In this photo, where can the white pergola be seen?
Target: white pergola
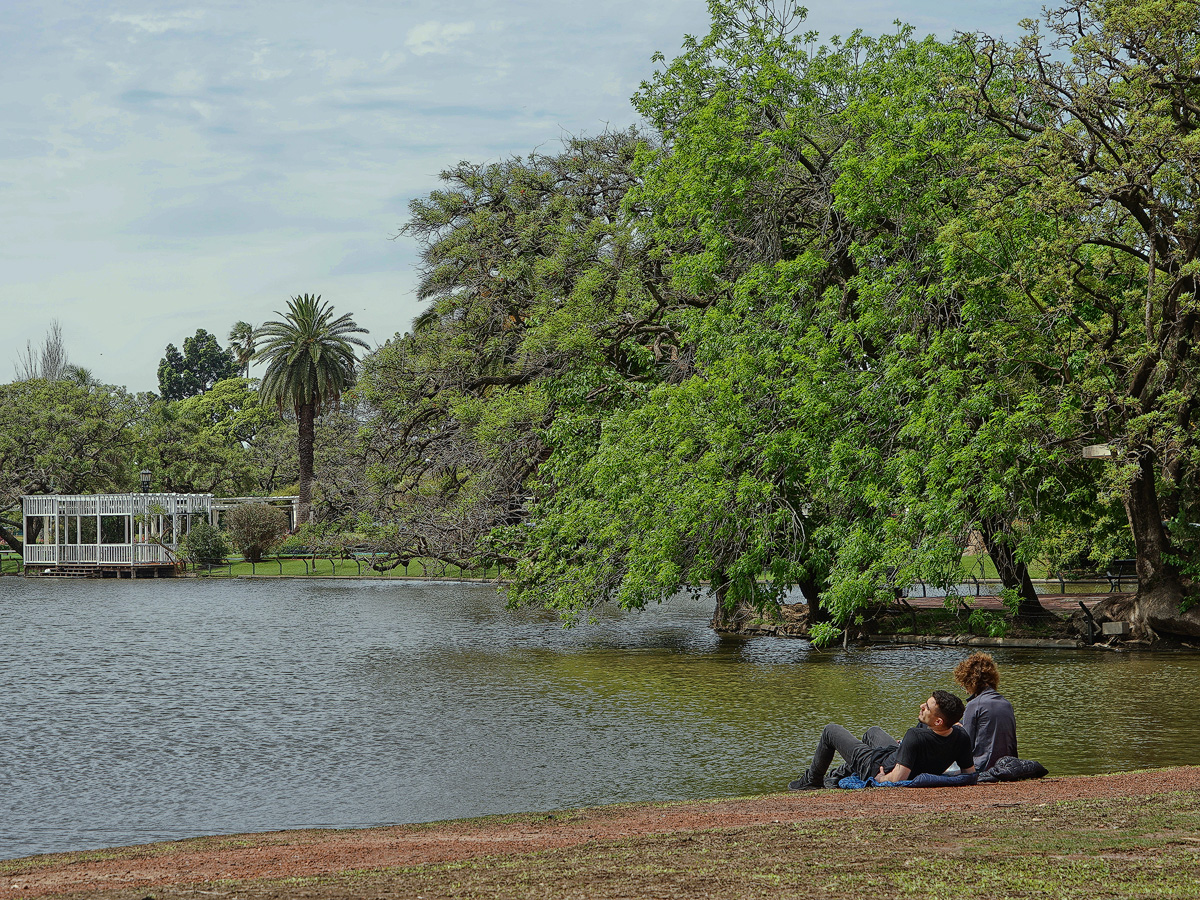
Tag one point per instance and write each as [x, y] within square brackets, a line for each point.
[109, 531]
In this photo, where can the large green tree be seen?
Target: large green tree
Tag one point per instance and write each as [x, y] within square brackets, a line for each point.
[1103, 109]
[202, 364]
[310, 361]
[542, 297]
[798, 201]
[850, 307]
[774, 310]
[211, 443]
[62, 437]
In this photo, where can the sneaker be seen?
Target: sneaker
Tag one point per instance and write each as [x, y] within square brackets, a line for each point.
[805, 783]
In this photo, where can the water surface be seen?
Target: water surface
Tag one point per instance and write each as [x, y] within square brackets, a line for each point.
[147, 710]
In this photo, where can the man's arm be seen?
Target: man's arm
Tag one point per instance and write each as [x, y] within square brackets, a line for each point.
[902, 773]
[898, 773]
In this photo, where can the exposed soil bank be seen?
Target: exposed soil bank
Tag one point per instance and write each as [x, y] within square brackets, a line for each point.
[779, 833]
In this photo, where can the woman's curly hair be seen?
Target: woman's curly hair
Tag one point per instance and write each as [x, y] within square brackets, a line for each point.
[977, 672]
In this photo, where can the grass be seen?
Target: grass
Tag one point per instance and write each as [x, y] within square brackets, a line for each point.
[1144, 847]
[1126, 848]
[11, 564]
[360, 566]
[980, 567]
[977, 566]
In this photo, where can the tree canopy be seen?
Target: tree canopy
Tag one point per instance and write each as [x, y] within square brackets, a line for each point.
[837, 313]
[202, 364]
[212, 443]
[62, 437]
[1101, 166]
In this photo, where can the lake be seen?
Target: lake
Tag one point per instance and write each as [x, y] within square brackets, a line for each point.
[160, 709]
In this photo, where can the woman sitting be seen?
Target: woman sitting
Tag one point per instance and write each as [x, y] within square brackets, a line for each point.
[988, 719]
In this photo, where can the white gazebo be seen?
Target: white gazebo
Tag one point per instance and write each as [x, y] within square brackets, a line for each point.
[113, 535]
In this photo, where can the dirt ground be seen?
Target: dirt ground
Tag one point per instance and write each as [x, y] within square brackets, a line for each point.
[165, 869]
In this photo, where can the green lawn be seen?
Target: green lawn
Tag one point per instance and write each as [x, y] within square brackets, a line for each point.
[977, 566]
[308, 566]
[982, 567]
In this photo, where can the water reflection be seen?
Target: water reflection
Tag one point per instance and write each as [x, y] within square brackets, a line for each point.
[147, 710]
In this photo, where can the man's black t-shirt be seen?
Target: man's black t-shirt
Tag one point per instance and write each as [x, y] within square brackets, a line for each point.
[924, 750]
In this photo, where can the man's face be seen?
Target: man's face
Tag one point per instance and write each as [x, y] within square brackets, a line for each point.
[929, 712]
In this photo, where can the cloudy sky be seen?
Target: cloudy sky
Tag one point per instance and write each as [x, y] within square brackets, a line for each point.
[172, 166]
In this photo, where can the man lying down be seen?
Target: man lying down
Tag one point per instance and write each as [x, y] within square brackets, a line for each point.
[929, 747]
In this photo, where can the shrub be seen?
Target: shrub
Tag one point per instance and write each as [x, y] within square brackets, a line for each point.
[298, 544]
[994, 624]
[255, 528]
[823, 634]
[317, 540]
[205, 544]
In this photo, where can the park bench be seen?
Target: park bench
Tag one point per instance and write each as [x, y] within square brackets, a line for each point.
[1120, 569]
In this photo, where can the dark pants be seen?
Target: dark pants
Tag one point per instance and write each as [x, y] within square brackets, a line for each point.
[877, 748]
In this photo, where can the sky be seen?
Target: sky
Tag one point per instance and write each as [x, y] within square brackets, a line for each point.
[166, 167]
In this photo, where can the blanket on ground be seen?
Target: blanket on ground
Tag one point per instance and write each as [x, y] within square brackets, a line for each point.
[1007, 768]
[925, 779]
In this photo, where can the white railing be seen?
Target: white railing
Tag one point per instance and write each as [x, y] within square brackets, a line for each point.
[116, 504]
[78, 553]
[98, 554]
[164, 515]
[39, 506]
[116, 553]
[153, 553]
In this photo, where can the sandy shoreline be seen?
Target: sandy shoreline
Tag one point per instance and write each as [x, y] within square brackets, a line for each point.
[314, 853]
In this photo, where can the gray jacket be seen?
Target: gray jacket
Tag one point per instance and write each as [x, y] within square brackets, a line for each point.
[992, 726]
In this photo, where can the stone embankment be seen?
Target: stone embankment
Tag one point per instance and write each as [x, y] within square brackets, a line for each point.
[793, 623]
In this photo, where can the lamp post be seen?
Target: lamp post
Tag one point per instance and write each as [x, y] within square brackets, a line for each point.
[145, 477]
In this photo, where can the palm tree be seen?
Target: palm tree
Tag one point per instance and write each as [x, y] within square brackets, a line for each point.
[241, 342]
[310, 362]
[80, 375]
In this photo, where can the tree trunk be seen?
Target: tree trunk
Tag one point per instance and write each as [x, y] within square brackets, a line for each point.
[728, 619]
[12, 540]
[1158, 606]
[733, 619]
[1014, 574]
[812, 591]
[306, 416]
[1150, 539]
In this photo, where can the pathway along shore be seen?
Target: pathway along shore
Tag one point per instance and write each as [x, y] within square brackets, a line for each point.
[679, 849]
